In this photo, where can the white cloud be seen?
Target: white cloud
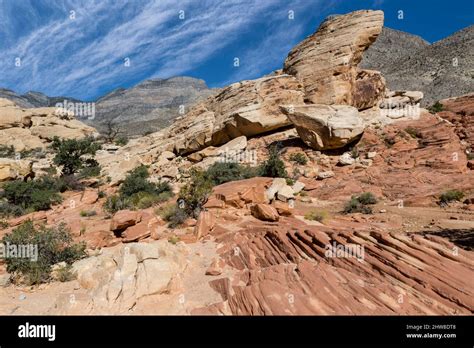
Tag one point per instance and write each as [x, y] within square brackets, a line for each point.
[78, 57]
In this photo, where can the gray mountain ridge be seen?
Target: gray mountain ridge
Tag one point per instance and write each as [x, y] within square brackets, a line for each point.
[441, 70]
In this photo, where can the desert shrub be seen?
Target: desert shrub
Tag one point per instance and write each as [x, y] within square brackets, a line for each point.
[367, 198]
[173, 214]
[73, 154]
[414, 133]
[137, 181]
[173, 239]
[222, 172]
[121, 141]
[195, 193]
[7, 151]
[34, 153]
[8, 210]
[101, 194]
[273, 167]
[143, 200]
[69, 182]
[319, 216]
[389, 141]
[360, 204]
[89, 172]
[115, 203]
[87, 213]
[436, 107]
[299, 158]
[65, 273]
[141, 193]
[54, 245]
[470, 156]
[450, 196]
[32, 195]
[4, 224]
[290, 182]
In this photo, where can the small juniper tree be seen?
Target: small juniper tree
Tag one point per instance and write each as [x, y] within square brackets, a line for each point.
[73, 154]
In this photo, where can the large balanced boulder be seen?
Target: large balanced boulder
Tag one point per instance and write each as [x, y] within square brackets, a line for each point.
[325, 127]
[326, 62]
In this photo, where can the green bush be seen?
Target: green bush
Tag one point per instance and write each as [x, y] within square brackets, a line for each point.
[221, 172]
[115, 203]
[355, 152]
[87, 213]
[360, 204]
[436, 107]
[8, 210]
[450, 196]
[174, 215]
[69, 182]
[299, 158]
[414, 133]
[74, 155]
[32, 195]
[141, 193]
[137, 181]
[273, 167]
[173, 239]
[143, 200]
[195, 193]
[367, 198]
[7, 151]
[89, 172]
[121, 141]
[54, 245]
[319, 216]
[65, 274]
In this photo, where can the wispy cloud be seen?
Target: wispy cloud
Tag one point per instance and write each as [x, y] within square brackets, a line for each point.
[84, 55]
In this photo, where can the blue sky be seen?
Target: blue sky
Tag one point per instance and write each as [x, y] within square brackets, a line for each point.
[84, 53]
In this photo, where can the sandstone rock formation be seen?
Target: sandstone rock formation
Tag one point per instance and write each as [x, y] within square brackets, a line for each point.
[326, 127]
[120, 276]
[27, 129]
[326, 62]
[244, 108]
[460, 112]
[12, 169]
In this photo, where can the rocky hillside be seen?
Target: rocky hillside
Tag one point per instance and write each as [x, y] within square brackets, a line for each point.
[441, 70]
[151, 105]
[365, 207]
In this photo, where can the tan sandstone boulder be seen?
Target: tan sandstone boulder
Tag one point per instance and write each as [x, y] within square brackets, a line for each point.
[11, 169]
[326, 127]
[326, 62]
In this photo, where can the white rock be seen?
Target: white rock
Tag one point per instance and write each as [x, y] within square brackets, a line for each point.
[346, 159]
[326, 174]
[285, 193]
[277, 184]
[365, 162]
[297, 187]
[371, 154]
